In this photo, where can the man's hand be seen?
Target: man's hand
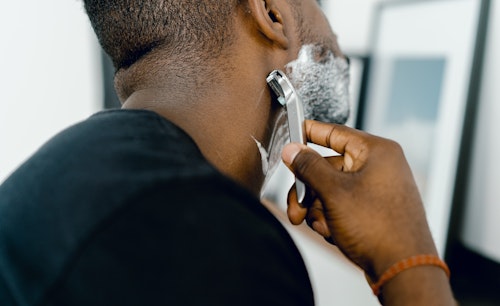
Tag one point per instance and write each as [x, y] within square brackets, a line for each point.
[365, 201]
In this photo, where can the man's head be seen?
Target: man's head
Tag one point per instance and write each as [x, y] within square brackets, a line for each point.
[203, 64]
[131, 29]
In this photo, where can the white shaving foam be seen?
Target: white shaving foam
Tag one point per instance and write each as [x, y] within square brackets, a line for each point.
[263, 155]
[322, 82]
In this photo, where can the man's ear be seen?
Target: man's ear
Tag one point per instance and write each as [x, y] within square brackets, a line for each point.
[270, 21]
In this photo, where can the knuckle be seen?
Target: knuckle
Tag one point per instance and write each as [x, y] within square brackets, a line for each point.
[387, 145]
[361, 150]
[394, 146]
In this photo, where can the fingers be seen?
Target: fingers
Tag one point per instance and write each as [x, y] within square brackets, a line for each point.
[313, 214]
[350, 143]
[310, 167]
[316, 220]
[334, 136]
[296, 212]
[375, 216]
[317, 173]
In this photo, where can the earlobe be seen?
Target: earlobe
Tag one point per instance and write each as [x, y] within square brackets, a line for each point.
[270, 21]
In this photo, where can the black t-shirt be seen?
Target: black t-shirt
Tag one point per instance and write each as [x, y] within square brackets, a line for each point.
[122, 209]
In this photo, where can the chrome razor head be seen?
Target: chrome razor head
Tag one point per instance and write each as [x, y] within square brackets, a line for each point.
[288, 98]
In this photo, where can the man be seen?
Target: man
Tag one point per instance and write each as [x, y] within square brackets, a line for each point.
[156, 204]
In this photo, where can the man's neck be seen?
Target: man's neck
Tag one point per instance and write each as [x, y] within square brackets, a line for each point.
[223, 122]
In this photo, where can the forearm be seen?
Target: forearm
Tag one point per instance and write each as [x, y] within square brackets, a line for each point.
[413, 275]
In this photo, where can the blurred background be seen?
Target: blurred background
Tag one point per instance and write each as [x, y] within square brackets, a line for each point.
[424, 72]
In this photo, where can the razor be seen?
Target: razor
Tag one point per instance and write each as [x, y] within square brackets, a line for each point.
[287, 96]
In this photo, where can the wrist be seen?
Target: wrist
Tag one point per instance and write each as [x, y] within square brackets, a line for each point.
[388, 255]
[421, 285]
[414, 262]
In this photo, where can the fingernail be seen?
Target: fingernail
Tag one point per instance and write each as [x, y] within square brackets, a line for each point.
[289, 153]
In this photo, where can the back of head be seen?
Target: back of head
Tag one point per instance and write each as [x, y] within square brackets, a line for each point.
[130, 29]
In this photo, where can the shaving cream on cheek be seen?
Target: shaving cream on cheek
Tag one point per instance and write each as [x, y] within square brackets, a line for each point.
[322, 82]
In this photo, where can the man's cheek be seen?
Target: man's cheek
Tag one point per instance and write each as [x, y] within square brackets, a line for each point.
[322, 81]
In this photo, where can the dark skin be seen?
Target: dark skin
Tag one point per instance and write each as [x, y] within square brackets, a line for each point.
[266, 39]
[226, 101]
[240, 98]
[367, 203]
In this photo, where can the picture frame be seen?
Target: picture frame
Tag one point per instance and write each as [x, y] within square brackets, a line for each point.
[421, 85]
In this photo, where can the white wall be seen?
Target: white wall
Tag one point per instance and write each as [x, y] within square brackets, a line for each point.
[482, 227]
[49, 76]
[352, 21]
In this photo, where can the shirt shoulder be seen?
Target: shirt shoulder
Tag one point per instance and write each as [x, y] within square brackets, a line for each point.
[75, 181]
[125, 193]
[196, 241]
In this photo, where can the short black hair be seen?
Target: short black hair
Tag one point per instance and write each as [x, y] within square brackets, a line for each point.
[129, 29]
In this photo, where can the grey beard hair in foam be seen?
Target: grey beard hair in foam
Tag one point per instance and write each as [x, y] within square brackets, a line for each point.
[322, 82]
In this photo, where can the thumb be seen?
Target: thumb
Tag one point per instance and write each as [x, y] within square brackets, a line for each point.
[310, 167]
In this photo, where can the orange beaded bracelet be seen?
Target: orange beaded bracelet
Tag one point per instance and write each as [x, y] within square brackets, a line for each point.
[415, 261]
